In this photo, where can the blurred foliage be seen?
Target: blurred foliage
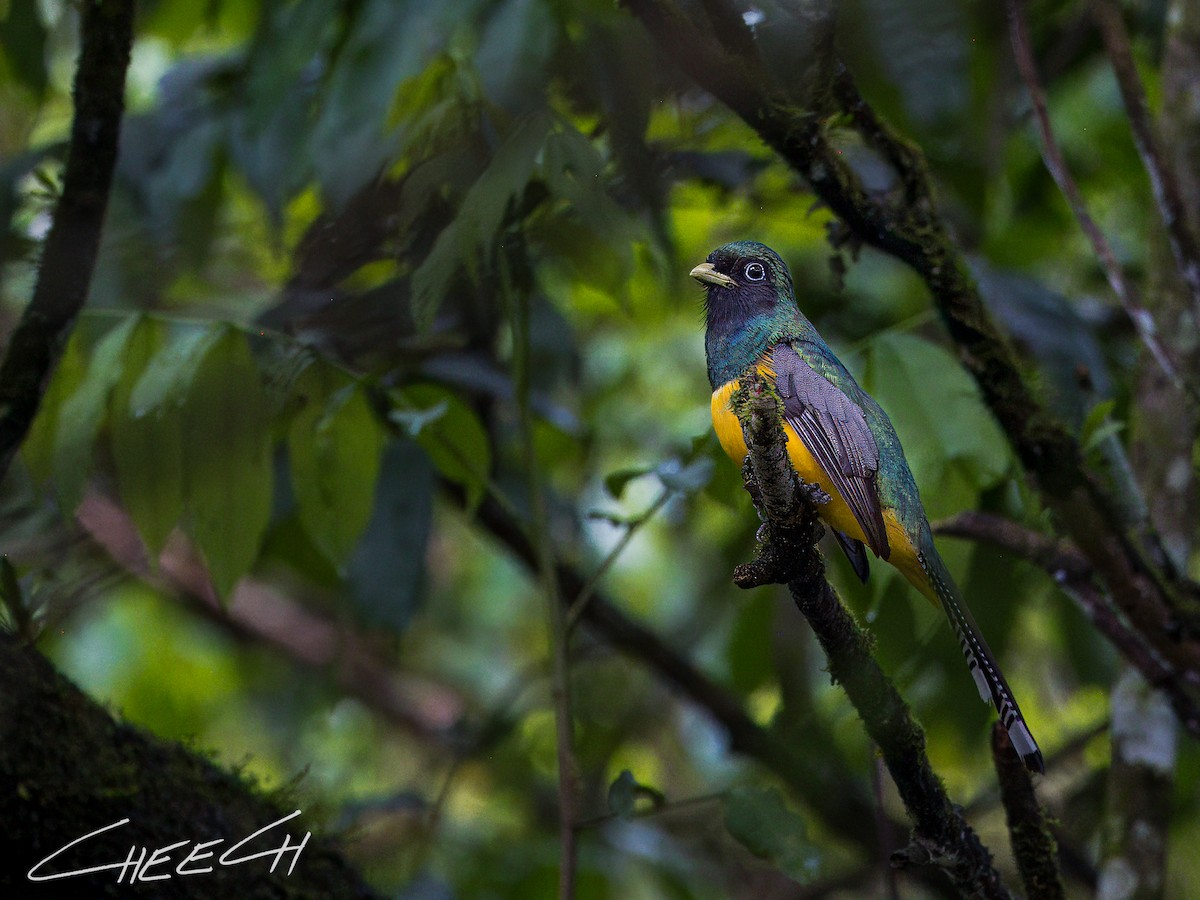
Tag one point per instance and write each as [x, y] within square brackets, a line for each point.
[296, 370]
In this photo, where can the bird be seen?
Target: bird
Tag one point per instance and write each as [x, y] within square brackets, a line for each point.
[838, 438]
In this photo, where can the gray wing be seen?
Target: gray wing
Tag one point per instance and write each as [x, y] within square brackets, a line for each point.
[835, 431]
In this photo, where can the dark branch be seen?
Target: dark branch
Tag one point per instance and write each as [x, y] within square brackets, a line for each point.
[74, 239]
[1032, 843]
[732, 28]
[789, 555]
[1060, 558]
[1076, 576]
[1165, 184]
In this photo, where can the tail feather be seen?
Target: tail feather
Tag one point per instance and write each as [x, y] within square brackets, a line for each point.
[984, 668]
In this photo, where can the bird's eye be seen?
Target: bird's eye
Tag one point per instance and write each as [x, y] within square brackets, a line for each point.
[755, 271]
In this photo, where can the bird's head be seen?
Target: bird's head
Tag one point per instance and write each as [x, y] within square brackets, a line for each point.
[749, 305]
[744, 280]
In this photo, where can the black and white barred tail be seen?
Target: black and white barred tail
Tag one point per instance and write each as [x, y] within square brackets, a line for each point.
[984, 668]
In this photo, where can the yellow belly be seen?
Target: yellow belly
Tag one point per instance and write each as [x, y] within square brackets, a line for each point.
[836, 513]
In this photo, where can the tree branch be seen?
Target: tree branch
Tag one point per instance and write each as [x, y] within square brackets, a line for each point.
[1056, 165]
[71, 246]
[1074, 573]
[1056, 556]
[259, 612]
[1168, 197]
[1032, 843]
[789, 555]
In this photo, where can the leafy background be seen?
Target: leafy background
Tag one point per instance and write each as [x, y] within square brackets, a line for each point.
[362, 256]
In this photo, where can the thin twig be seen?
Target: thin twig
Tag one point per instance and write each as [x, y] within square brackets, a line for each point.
[589, 588]
[660, 809]
[1056, 556]
[1056, 165]
[1163, 181]
[498, 723]
[568, 773]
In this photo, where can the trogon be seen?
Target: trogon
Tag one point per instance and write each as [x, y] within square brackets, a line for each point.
[838, 437]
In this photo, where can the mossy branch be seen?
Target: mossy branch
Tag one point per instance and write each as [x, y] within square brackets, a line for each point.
[1033, 845]
[70, 769]
[788, 555]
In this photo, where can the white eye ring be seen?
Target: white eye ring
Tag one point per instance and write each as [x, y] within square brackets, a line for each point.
[755, 271]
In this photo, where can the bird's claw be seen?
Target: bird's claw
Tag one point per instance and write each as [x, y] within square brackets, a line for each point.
[815, 493]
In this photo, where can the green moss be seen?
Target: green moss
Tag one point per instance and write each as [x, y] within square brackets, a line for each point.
[76, 770]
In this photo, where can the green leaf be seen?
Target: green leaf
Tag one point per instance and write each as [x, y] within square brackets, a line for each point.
[387, 43]
[227, 459]
[761, 822]
[454, 438]
[1108, 429]
[173, 368]
[480, 216]
[38, 447]
[183, 189]
[271, 130]
[147, 448]
[387, 566]
[81, 415]
[574, 171]
[616, 482]
[1099, 426]
[335, 444]
[1095, 418]
[513, 52]
[686, 479]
